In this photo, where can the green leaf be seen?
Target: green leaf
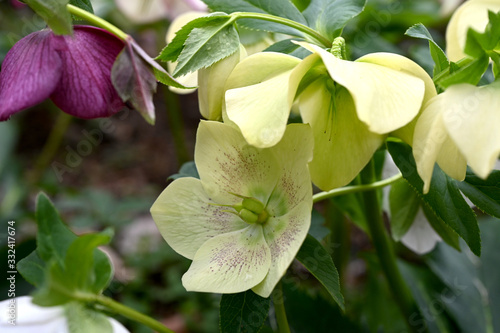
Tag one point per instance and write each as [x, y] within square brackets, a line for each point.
[467, 70]
[319, 262]
[83, 4]
[335, 15]
[477, 44]
[82, 319]
[286, 46]
[472, 286]
[281, 8]
[207, 45]
[55, 289]
[448, 235]
[53, 237]
[188, 169]
[79, 261]
[444, 198]
[485, 194]
[404, 204]
[441, 61]
[243, 312]
[175, 47]
[32, 268]
[54, 12]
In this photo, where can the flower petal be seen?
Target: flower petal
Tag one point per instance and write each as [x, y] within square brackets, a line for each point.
[408, 66]
[85, 89]
[228, 165]
[343, 145]
[140, 11]
[230, 263]
[30, 73]
[293, 153]
[421, 238]
[432, 143]
[211, 82]
[259, 96]
[472, 120]
[472, 14]
[187, 217]
[284, 235]
[385, 99]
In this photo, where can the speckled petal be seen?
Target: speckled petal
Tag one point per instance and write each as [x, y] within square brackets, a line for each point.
[187, 217]
[385, 99]
[284, 235]
[472, 119]
[432, 143]
[343, 145]
[228, 165]
[230, 263]
[259, 96]
[30, 73]
[293, 153]
[85, 89]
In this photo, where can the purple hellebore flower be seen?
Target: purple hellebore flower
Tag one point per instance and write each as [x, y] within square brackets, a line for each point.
[73, 71]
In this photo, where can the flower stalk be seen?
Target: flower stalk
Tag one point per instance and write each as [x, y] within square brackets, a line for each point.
[97, 21]
[385, 251]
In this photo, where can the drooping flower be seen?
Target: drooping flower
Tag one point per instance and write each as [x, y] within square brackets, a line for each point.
[457, 127]
[351, 106]
[244, 220]
[471, 14]
[28, 317]
[73, 71]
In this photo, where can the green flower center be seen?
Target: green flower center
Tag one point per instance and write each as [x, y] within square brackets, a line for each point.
[253, 211]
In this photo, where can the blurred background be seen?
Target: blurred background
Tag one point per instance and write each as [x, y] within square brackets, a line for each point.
[108, 172]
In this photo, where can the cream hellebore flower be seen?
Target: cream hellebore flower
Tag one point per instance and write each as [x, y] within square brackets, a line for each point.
[210, 80]
[244, 221]
[457, 127]
[351, 106]
[471, 14]
[20, 315]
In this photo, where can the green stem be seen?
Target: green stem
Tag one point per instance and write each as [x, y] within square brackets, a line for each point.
[385, 251]
[97, 21]
[130, 313]
[279, 309]
[281, 20]
[51, 146]
[355, 188]
[174, 115]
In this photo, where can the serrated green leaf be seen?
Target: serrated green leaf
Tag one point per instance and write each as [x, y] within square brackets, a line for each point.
[448, 235]
[404, 204]
[53, 237]
[467, 70]
[281, 8]
[207, 45]
[79, 262]
[444, 198]
[32, 268]
[485, 194]
[172, 51]
[82, 319]
[83, 4]
[54, 12]
[336, 14]
[477, 44]
[318, 261]
[243, 312]
[441, 61]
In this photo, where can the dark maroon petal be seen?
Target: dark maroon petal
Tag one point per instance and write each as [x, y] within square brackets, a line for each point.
[85, 89]
[134, 81]
[30, 73]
